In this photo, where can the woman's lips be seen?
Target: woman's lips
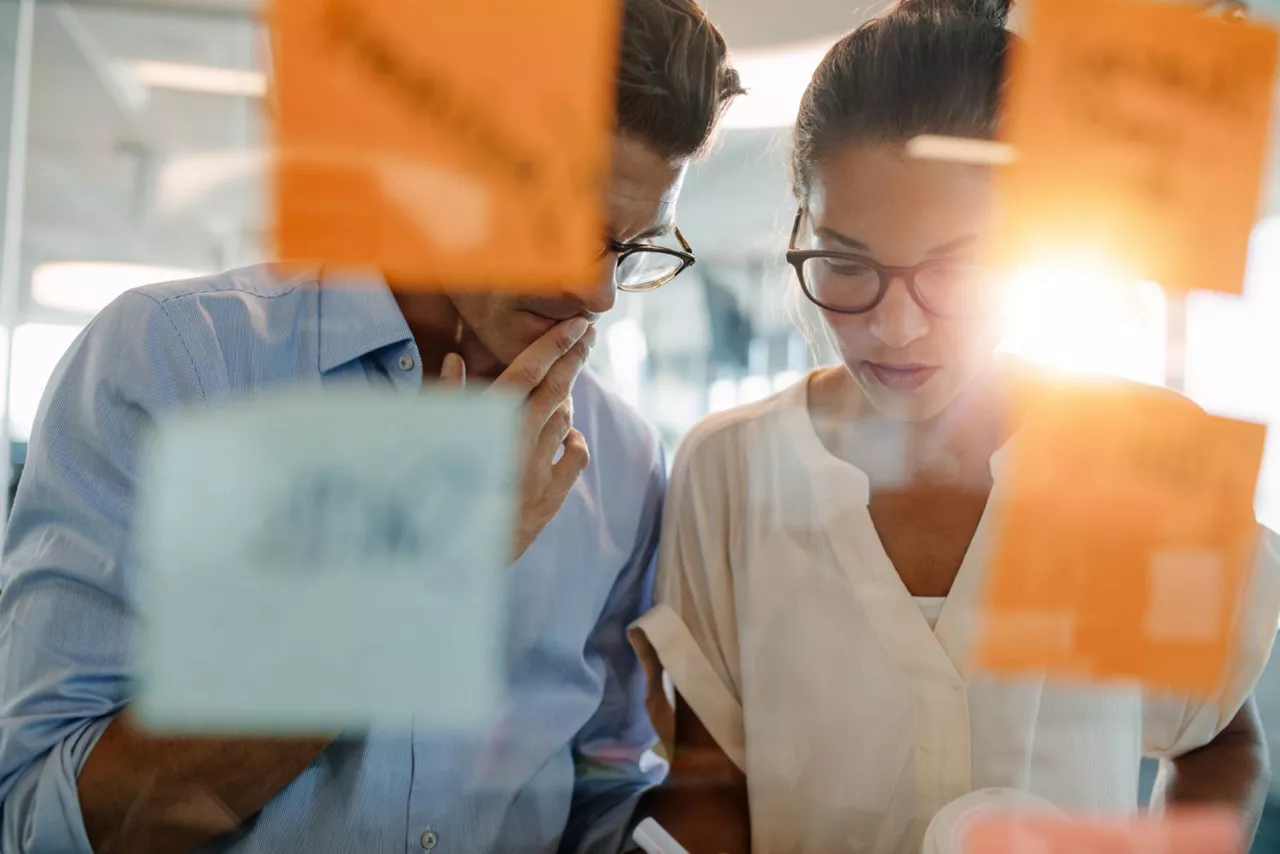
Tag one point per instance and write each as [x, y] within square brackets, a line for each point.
[901, 377]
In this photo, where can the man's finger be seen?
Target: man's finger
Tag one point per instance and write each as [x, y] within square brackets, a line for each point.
[565, 473]
[454, 371]
[557, 385]
[529, 369]
[553, 435]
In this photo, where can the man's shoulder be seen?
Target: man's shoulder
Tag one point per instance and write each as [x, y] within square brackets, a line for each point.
[231, 329]
[612, 425]
[227, 306]
[256, 283]
[216, 305]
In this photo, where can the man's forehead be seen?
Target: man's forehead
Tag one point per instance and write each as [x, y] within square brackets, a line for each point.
[642, 192]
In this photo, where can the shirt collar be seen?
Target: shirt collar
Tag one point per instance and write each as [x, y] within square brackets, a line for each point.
[358, 315]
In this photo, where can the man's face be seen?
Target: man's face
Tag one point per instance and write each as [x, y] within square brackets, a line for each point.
[640, 203]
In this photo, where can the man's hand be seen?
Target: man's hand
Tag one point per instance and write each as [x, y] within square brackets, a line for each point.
[149, 794]
[544, 375]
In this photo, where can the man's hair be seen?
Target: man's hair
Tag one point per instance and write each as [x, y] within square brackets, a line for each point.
[674, 78]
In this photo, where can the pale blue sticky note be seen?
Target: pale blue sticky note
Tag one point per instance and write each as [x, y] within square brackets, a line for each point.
[314, 561]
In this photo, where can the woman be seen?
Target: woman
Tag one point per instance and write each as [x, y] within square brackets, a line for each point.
[823, 549]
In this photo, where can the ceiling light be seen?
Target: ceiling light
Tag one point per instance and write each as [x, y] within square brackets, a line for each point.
[86, 287]
[201, 78]
[188, 180]
[977, 152]
[775, 80]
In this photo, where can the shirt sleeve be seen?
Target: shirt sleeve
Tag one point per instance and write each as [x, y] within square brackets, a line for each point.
[1172, 726]
[613, 759]
[692, 631]
[65, 619]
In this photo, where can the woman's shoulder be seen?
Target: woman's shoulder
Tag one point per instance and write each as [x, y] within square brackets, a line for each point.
[746, 431]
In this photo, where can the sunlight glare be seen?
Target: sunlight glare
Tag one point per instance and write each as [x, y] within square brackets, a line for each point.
[1085, 318]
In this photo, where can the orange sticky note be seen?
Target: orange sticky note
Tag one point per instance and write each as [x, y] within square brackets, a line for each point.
[1125, 539]
[458, 145]
[1206, 831]
[1140, 135]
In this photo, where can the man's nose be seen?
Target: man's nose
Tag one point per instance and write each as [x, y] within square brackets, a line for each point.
[600, 295]
[898, 321]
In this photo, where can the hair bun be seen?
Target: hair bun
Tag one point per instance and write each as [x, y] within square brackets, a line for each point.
[995, 11]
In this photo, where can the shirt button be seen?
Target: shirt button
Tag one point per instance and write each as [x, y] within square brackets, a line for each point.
[406, 362]
[429, 839]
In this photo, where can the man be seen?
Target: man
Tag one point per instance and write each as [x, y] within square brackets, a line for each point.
[563, 766]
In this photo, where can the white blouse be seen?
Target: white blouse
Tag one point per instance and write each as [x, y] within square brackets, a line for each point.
[783, 624]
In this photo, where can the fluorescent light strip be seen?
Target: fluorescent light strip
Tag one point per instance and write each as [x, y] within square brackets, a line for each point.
[188, 180]
[979, 152]
[207, 79]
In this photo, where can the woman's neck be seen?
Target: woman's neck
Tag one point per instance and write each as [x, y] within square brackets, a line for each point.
[953, 448]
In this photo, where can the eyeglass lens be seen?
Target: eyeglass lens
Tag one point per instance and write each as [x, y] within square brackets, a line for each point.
[845, 284]
[643, 268]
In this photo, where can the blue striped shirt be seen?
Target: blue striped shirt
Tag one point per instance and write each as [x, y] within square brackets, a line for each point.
[564, 765]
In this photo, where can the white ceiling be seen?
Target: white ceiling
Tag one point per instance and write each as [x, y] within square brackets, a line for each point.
[96, 150]
[95, 147]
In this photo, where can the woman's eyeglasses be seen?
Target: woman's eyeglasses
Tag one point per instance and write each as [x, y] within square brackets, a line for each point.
[848, 283]
[645, 266]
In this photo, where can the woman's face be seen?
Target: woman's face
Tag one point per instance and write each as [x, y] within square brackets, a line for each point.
[875, 202]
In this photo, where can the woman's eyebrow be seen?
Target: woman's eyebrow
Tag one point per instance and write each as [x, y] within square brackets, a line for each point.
[952, 245]
[963, 242]
[836, 236]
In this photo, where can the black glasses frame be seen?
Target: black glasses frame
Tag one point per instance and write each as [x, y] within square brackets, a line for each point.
[626, 250]
[797, 258]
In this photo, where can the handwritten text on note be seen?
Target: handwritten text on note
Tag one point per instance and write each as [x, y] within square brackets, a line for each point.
[449, 145]
[1126, 539]
[1141, 132]
[318, 560]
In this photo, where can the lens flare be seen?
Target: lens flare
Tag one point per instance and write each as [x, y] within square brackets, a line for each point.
[1085, 318]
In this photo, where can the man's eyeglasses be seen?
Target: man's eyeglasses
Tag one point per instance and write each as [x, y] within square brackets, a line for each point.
[848, 283]
[644, 266]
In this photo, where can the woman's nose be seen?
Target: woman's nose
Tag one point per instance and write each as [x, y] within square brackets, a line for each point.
[898, 321]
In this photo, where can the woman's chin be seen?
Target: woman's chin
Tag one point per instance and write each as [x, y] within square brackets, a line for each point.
[921, 404]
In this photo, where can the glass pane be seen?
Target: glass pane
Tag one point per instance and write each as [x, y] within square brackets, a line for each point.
[8, 57]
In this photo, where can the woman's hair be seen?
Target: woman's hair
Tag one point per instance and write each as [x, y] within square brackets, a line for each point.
[923, 67]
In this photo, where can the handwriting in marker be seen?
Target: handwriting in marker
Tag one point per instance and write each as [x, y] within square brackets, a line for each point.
[347, 27]
[284, 540]
[1141, 133]
[1125, 542]
[332, 519]
[397, 150]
